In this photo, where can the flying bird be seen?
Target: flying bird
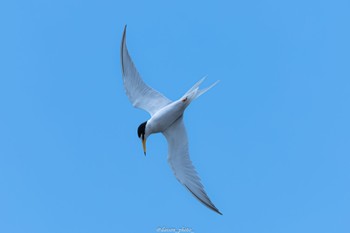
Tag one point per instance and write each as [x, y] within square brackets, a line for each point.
[166, 118]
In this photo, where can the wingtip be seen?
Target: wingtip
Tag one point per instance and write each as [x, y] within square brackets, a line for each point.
[122, 48]
[210, 206]
[216, 210]
[124, 31]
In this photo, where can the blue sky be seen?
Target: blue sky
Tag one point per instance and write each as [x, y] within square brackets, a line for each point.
[270, 141]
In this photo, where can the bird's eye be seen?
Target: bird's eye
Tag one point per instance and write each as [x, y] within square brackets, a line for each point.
[184, 99]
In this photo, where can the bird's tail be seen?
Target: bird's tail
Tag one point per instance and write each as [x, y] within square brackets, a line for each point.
[195, 92]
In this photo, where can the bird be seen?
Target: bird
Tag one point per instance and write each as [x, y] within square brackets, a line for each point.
[166, 118]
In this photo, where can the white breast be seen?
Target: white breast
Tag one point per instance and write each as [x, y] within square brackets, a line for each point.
[165, 117]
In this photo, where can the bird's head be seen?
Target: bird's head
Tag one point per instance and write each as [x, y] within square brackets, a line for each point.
[141, 133]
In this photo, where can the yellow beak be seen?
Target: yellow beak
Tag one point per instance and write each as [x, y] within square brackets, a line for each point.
[144, 146]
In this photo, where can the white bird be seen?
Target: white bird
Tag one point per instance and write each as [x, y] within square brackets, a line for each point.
[166, 118]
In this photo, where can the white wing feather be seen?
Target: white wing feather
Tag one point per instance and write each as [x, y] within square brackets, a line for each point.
[140, 94]
[179, 160]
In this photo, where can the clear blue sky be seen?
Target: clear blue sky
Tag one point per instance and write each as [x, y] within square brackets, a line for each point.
[271, 142]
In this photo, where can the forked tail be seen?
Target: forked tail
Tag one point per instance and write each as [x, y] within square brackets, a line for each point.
[195, 92]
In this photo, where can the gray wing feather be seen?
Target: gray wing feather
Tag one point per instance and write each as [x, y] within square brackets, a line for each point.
[180, 163]
[140, 94]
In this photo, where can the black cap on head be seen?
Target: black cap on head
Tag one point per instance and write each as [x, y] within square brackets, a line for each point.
[141, 130]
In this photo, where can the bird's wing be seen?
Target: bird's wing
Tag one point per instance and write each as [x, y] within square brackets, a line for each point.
[140, 94]
[179, 160]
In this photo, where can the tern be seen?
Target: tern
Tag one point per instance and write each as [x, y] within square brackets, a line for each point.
[166, 118]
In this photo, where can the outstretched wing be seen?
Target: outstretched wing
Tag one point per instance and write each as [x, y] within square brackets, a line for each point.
[179, 160]
[140, 94]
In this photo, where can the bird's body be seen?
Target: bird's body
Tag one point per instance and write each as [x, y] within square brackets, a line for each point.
[166, 118]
